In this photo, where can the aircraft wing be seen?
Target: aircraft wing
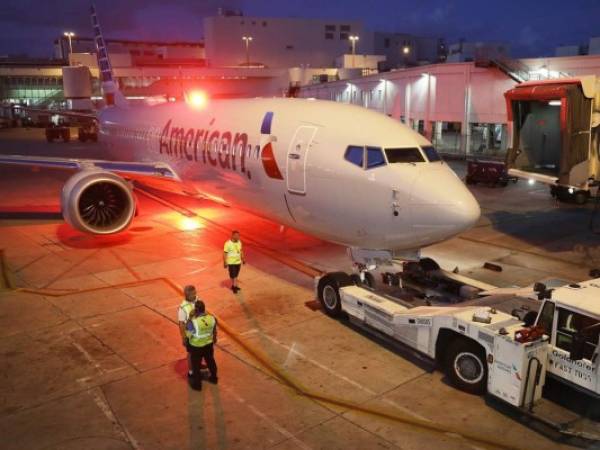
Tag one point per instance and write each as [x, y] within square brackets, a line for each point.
[155, 174]
[59, 112]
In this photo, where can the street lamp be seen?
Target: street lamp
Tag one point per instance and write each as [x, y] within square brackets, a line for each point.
[353, 40]
[247, 40]
[69, 35]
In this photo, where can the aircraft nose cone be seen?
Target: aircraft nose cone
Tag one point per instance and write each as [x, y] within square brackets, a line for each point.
[441, 206]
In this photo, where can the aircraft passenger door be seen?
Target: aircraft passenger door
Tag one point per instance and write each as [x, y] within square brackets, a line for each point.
[296, 158]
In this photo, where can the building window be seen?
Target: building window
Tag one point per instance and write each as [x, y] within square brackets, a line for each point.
[264, 23]
[328, 35]
[386, 42]
[343, 36]
[289, 47]
[344, 27]
[329, 27]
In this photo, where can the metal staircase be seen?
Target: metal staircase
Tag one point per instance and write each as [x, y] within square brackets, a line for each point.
[518, 71]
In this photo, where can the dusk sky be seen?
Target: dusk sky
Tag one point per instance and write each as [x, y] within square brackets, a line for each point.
[531, 28]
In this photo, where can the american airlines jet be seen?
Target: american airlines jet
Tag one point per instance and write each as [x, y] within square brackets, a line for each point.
[339, 172]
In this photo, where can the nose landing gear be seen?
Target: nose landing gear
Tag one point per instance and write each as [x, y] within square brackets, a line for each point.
[363, 277]
[420, 281]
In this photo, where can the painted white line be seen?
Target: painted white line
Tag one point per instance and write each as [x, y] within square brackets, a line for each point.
[354, 383]
[105, 408]
[342, 377]
[266, 418]
[87, 356]
[290, 355]
[250, 331]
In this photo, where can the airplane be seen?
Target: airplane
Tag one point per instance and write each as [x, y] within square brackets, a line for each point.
[339, 172]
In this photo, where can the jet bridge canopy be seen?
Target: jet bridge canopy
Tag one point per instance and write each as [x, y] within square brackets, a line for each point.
[551, 127]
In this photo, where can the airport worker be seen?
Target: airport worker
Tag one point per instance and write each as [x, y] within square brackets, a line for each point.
[233, 258]
[203, 336]
[183, 315]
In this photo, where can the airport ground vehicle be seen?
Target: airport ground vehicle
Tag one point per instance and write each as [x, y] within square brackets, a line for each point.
[54, 132]
[88, 132]
[480, 348]
[488, 172]
[556, 135]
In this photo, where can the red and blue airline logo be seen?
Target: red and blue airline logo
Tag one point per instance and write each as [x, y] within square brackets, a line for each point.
[267, 155]
[225, 149]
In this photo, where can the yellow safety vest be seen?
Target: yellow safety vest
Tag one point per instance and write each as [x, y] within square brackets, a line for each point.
[234, 252]
[187, 307]
[204, 327]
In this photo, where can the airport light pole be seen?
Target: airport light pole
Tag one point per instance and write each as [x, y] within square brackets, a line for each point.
[69, 35]
[247, 40]
[353, 40]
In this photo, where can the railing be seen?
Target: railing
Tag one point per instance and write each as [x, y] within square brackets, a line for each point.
[518, 71]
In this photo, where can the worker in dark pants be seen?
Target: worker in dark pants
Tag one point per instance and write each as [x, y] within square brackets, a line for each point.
[202, 336]
[183, 315]
[233, 258]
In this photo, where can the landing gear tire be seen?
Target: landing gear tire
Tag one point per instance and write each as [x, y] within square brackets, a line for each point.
[329, 292]
[466, 366]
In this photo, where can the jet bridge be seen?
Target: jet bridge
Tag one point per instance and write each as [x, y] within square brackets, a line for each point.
[555, 134]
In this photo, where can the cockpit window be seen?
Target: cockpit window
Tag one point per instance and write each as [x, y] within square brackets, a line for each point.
[374, 157]
[404, 155]
[432, 154]
[354, 154]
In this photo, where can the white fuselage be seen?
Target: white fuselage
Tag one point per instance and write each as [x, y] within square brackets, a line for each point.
[293, 170]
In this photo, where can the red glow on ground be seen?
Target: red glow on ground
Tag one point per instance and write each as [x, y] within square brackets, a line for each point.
[189, 223]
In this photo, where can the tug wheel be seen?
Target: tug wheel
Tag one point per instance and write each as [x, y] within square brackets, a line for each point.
[466, 366]
[329, 292]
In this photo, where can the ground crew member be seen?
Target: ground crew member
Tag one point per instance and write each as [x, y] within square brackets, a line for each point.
[183, 315]
[233, 258]
[202, 336]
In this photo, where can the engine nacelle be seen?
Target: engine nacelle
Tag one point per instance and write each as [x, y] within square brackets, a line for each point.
[97, 202]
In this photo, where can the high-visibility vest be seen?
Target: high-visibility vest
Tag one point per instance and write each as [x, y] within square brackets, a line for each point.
[204, 327]
[187, 307]
[233, 251]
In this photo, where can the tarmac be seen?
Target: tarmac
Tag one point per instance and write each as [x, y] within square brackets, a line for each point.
[91, 353]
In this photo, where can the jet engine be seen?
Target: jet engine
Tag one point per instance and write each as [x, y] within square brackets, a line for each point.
[97, 202]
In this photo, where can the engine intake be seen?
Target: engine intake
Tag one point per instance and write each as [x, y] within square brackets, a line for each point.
[97, 202]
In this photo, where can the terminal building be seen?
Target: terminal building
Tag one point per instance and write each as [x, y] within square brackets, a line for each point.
[280, 42]
[459, 106]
